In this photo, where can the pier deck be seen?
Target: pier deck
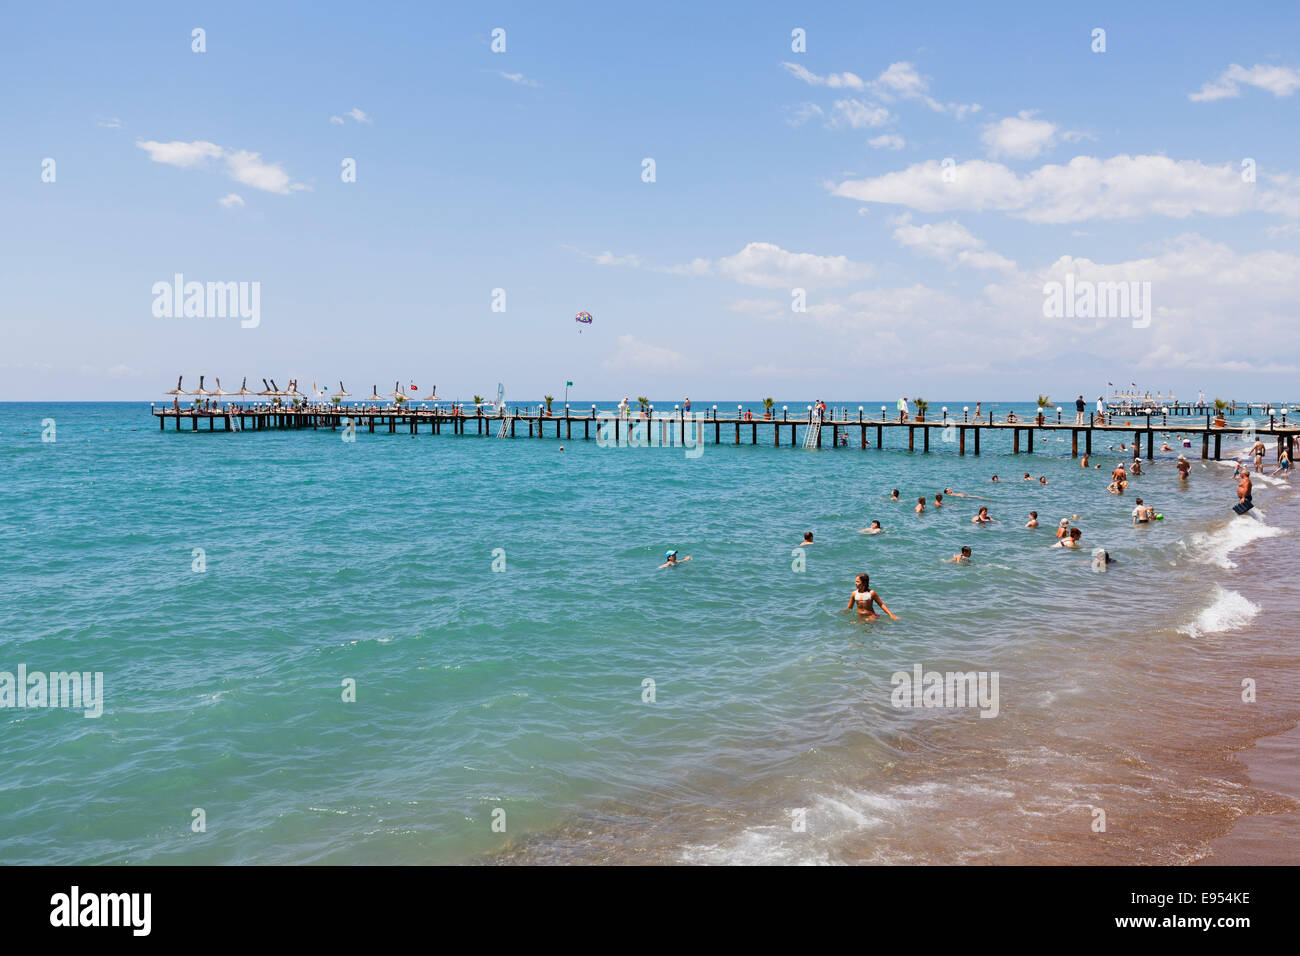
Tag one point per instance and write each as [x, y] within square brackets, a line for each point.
[672, 431]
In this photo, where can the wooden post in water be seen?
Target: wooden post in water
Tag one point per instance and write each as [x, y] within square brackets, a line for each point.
[864, 435]
[880, 437]
[1151, 444]
[961, 440]
[1015, 441]
[911, 438]
[1205, 445]
[925, 438]
[1030, 433]
[1074, 443]
[977, 440]
[1217, 442]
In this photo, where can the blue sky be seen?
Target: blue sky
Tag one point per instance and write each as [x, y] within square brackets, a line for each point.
[774, 170]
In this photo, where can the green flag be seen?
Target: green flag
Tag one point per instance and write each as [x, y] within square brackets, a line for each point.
[568, 385]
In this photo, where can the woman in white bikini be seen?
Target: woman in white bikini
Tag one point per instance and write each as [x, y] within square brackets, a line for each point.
[863, 597]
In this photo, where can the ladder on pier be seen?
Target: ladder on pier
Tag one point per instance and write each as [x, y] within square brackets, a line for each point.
[814, 432]
[234, 422]
[504, 430]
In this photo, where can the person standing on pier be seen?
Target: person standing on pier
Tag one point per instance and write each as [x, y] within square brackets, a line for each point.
[903, 409]
[1101, 410]
[686, 405]
[1080, 406]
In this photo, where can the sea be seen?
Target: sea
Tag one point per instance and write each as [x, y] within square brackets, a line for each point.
[449, 649]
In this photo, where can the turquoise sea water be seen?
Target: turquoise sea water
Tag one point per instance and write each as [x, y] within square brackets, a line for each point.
[522, 690]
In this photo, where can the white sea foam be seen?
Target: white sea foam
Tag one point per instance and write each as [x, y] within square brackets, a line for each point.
[1213, 547]
[1227, 612]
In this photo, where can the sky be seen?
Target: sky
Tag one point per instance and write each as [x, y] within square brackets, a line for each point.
[913, 176]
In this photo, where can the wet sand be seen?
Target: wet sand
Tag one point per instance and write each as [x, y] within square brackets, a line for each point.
[1273, 764]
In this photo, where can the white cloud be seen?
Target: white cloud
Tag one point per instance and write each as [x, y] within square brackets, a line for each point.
[113, 123]
[949, 242]
[803, 113]
[1194, 283]
[1086, 188]
[887, 141]
[1278, 80]
[248, 168]
[231, 200]
[833, 80]
[609, 259]
[1284, 231]
[336, 120]
[767, 265]
[518, 78]
[696, 267]
[898, 81]
[1019, 137]
[358, 115]
[181, 154]
[902, 81]
[241, 165]
[858, 114]
[633, 354]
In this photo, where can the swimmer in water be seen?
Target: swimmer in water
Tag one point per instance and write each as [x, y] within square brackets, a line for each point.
[1142, 514]
[1027, 478]
[960, 494]
[920, 506]
[963, 558]
[874, 529]
[1184, 467]
[672, 560]
[983, 516]
[1283, 463]
[1164, 446]
[1033, 520]
[1072, 542]
[894, 496]
[1136, 467]
[807, 539]
[995, 477]
[1063, 528]
[1042, 479]
[863, 598]
[1084, 463]
[938, 500]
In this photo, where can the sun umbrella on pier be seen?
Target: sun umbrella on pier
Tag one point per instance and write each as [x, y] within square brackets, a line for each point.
[220, 392]
[177, 391]
[397, 394]
[201, 392]
[244, 389]
[341, 393]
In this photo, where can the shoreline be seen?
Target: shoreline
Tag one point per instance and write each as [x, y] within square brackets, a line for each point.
[1272, 764]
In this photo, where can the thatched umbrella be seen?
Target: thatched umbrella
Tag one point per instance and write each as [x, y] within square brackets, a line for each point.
[375, 396]
[201, 392]
[341, 393]
[219, 390]
[244, 389]
[177, 391]
[397, 394]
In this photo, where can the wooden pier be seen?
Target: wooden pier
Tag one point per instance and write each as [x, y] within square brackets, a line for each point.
[858, 432]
